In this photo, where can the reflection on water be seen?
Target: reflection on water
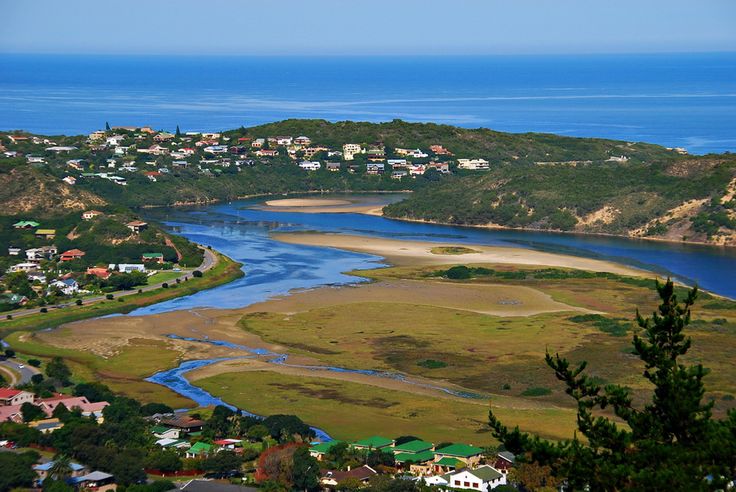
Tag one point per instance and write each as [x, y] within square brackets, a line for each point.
[274, 268]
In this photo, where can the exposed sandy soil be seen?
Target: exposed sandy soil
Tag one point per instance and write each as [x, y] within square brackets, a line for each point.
[321, 206]
[399, 252]
[306, 202]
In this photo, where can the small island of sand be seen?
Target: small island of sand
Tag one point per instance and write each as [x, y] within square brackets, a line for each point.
[306, 202]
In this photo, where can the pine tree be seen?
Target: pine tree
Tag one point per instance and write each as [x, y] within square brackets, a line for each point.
[107, 126]
[178, 132]
[671, 443]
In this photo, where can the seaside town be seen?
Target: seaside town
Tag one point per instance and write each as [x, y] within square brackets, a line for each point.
[122, 154]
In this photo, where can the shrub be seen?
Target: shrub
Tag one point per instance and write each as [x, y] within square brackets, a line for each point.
[536, 391]
[78, 302]
[44, 310]
[196, 274]
[165, 285]
[9, 316]
[432, 364]
[459, 272]
[34, 362]
[109, 297]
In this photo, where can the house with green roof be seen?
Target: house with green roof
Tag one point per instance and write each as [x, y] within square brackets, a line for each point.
[460, 451]
[26, 224]
[415, 446]
[199, 450]
[318, 450]
[481, 479]
[163, 432]
[374, 442]
[153, 257]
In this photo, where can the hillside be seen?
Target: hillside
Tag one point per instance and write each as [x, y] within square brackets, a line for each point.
[685, 199]
[536, 181]
[26, 190]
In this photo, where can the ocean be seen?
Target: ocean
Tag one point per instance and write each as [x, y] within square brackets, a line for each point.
[676, 100]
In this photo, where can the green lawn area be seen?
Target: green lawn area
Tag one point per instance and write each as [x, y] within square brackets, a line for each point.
[124, 372]
[165, 276]
[352, 411]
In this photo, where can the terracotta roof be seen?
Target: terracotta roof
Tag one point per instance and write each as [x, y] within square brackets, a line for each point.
[8, 392]
[361, 473]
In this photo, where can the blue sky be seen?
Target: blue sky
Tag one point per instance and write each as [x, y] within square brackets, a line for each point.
[315, 27]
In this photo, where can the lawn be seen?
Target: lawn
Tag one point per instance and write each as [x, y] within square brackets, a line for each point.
[124, 371]
[348, 410]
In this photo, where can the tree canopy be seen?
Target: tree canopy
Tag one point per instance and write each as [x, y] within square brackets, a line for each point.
[672, 441]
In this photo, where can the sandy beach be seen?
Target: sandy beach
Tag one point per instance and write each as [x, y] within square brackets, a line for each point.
[322, 206]
[400, 252]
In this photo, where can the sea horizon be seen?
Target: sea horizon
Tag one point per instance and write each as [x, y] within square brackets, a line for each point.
[672, 99]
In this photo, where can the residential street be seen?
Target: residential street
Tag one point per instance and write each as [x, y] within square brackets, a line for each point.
[25, 372]
[210, 260]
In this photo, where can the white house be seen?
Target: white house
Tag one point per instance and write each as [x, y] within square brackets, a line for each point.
[127, 267]
[482, 479]
[310, 165]
[473, 164]
[349, 150]
[70, 180]
[67, 286]
[23, 267]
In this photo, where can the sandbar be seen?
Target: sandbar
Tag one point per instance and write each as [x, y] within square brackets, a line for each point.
[409, 253]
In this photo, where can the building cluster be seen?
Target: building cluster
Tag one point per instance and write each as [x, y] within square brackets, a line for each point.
[46, 267]
[124, 152]
[456, 466]
[13, 400]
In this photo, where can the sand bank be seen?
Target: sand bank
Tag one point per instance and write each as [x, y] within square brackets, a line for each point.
[400, 252]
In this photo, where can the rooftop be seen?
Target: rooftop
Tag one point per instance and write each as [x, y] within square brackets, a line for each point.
[461, 450]
[374, 442]
[422, 457]
[414, 446]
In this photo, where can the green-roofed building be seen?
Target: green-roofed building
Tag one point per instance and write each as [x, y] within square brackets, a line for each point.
[459, 451]
[449, 463]
[26, 224]
[199, 449]
[415, 446]
[374, 442]
[320, 449]
[421, 457]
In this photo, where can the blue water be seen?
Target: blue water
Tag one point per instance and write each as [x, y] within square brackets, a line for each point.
[685, 100]
[274, 268]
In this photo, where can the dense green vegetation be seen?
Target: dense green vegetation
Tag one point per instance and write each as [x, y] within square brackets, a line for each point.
[673, 439]
[535, 181]
[560, 197]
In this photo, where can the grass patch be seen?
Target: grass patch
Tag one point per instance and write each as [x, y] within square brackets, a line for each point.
[536, 391]
[614, 327]
[452, 250]
[348, 410]
[432, 364]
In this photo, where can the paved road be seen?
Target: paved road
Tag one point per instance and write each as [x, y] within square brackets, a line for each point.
[209, 261]
[25, 372]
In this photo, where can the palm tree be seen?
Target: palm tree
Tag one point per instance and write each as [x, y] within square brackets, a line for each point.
[62, 468]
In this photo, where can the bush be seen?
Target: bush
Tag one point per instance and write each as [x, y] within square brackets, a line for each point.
[78, 302]
[44, 310]
[196, 274]
[9, 316]
[165, 285]
[34, 362]
[459, 272]
[432, 364]
[536, 391]
[109, 297]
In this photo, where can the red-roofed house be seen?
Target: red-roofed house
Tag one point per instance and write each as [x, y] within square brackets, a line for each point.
[99, 272]
[72, 254]
[11, 413]
[10, 397]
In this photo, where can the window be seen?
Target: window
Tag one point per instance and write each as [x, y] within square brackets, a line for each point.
[475, 485]
[457, 482]
[467, 484]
